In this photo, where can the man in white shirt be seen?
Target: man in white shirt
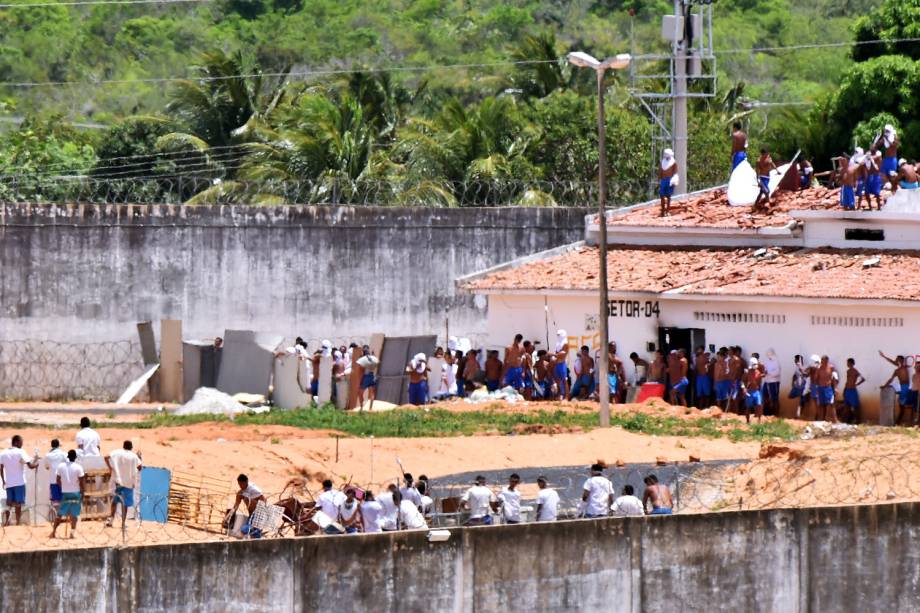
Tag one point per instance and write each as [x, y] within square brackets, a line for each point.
[478, 499]
[12, 470]
[88, 440]
[424, 489]
[70, 478]
[547, 501]
[627, 504]
[252, 495]
[330, 500]
[371, 513]
[409, 516]
[410, 492]
[349, 514]
[125, 466]
[387, 500]
[597, 493]
[510, 498]
[773, 374]
[50, 462]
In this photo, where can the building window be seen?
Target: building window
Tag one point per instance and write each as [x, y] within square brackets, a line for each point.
[857, 322]
[739, 318]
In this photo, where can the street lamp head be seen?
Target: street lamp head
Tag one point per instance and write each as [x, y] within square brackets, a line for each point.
[617, 62]
[583, 60]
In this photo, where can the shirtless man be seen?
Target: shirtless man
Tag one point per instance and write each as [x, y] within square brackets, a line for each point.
[764, 166]
[907, 176]
[850, 393]
[513, 366]
[751, 387]
[666, 172]
[902, 374]
[314, 377]
[584, 374]
[616, 374]
[658, 369]
[527, 367]
[873, 172]
[560, 369]
[735, 372]
[418, 379]
[862, 174]
[846, 176]
[679, 379]
[888, 142]
[641, 367]
[659, 495]
[739, 145]
[471, 368]
[541, 377]
[721, 379]
[493, 371]
[826, 380]
[702, 366]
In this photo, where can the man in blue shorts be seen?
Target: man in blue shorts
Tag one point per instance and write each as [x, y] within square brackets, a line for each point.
[560, 373]
[513, 363]
[888, 142]
[751, 386]
[702, 366]
[826, 379]
[369, 363]
[739, 145]
[873, 178]
[846, 176]
[850, 393]
[12, 470]
[681, 383]
[50, 463]
[71, 478]
[667, 174]
[721, 375]
[584, 374]
[125, 466]
[764, 166]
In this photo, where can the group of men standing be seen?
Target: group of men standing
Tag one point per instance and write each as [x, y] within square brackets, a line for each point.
[68, 477]
[863, 174]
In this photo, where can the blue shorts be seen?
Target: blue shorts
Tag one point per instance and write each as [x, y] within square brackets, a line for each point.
[903, 395]
[737, 158]
[874, 185]
[754, 399]
[910, 185]
[724, 389]
[493, 385]
[16, 494]
[703, 385]
[665, 189]
[515, 377]
[70, 505]
[583, 381]
[764, 184]
[612, 382]
[805, 180]
[461, 387]
[847, 197]
[314, 388]
[681, 386]
[368, 380]
[851, 397]
[890, 166]
[124, 495]
[418, 393]
[661, 511]
[860, 187]
[561, 371]
[824, 394]
[55, 492]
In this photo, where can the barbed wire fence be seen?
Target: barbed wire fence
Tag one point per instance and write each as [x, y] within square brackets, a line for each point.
[216, 190]
[788, 480]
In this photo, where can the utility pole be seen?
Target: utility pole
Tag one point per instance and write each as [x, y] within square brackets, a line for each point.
[683, 21]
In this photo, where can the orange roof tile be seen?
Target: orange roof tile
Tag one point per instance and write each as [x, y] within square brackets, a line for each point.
[711, 209]
[806, 273]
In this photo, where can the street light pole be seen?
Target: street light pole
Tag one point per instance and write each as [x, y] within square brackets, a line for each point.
[584, 60]
[603, 388]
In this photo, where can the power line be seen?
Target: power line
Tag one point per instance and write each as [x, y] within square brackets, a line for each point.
[95, 2]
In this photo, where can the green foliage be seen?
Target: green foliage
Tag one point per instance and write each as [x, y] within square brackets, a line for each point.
[893, 20]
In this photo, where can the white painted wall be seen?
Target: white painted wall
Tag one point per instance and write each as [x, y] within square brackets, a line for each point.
[847, 330]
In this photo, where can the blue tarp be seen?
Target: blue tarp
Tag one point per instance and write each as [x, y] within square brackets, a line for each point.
[154, 494]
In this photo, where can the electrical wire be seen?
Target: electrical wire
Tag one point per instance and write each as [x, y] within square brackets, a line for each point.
[95, 2]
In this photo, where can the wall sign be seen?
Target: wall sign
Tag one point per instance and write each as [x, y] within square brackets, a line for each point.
[633, 308]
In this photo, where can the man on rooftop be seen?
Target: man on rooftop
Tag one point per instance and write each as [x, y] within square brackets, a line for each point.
[667, 179]
[739, 145]
[764, 166]
[907, 176]
[888, 142]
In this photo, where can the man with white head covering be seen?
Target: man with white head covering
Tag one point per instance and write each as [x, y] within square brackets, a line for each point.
[873, 175]
[560, 369]
[772, 376]
[888, 142]
[418, 379]
[750, 386]
[327, 348]
[858, 160]
[667, 179]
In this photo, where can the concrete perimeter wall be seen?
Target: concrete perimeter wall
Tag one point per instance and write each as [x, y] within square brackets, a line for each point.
[85, 273]
[807, 560]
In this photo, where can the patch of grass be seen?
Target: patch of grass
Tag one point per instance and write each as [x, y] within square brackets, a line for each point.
[411, 423]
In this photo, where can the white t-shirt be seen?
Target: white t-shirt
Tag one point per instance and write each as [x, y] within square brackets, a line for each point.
[53, 459]
[627, 505]
[427, 505]
[390, 512]
[329, 502]
[409, 516]
[511, 504]
[599, 491]
[14, 460]
[411, 494]
[347, 512]
[478, 498]
[774, 372]
[70, 473]
[548, 502]
[125, 467]
[251, 492]
[369, 363]
[88, 441]
[372, 513]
